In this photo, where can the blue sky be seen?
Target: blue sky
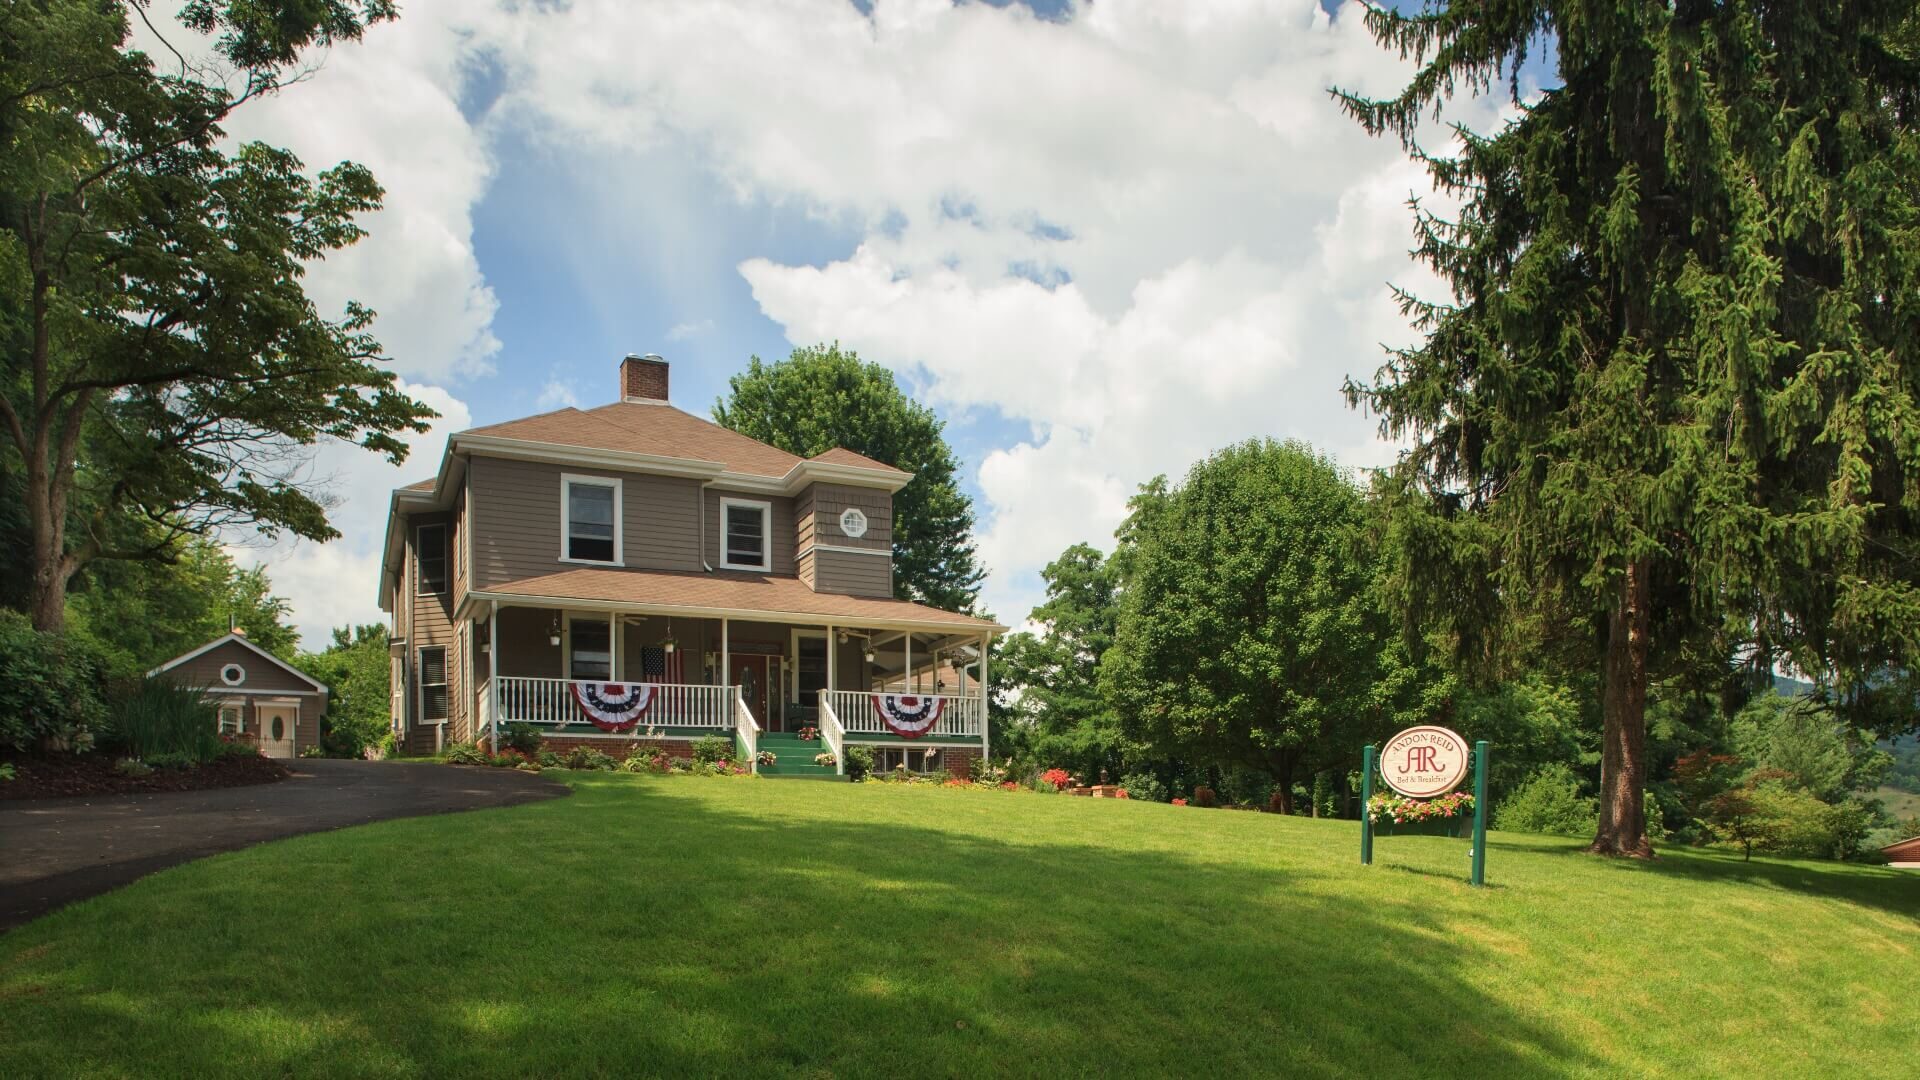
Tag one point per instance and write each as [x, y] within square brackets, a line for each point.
[1101, 241]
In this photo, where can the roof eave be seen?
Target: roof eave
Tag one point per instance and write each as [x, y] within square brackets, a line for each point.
[749, 614]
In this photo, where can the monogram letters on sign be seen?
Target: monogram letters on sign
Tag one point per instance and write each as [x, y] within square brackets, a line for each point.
[1422, 762]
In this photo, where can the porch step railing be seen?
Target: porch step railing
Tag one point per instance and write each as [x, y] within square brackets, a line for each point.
[746, 729]
[959, 716]
[551, 701]
[834, 734]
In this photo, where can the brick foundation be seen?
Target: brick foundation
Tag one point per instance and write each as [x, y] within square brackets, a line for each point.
[958, 761]
[617, 748]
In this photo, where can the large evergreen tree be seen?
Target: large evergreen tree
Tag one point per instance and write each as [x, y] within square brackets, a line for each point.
[823, 396]
[164, 369]
[1673, 392]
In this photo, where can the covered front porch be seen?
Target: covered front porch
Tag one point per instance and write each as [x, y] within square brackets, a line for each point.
[895, 688]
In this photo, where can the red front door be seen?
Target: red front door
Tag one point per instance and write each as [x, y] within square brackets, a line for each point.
[750, 675]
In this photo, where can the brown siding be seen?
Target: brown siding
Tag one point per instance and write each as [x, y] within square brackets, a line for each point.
[204, 670]
[306, 721]
[517, 526]
[524, 652]
[853, 574]
[781, 528]
[828, 500]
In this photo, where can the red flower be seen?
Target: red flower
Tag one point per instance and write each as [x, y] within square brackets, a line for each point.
[1179, 802]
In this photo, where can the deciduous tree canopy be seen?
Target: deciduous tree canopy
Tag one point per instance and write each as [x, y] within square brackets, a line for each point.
[164, 368]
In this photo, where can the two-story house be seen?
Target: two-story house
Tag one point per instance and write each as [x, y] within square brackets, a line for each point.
[634, 570]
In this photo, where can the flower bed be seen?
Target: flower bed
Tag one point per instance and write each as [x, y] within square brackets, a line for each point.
[59, 775]
[1446, 815]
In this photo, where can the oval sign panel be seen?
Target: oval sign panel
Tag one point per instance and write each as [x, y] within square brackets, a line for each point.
[1422, 762]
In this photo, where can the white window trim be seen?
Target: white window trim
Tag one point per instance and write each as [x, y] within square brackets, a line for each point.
[567, 480]
[421, 684]
[446, 561]
[239, 712]
[765, 565]
[224, 668]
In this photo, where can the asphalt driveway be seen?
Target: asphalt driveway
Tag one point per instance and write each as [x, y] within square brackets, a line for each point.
[56, 851]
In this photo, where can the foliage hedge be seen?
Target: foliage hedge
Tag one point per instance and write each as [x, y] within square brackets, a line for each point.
[50, 687]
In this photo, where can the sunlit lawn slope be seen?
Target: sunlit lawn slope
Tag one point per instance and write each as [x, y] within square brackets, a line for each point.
[682, 925]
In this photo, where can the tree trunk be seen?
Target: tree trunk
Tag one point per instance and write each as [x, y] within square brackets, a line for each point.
[1284, 767]
[47, 598]
[1623, 759]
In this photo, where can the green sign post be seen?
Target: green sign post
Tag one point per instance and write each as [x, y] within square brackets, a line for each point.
[1427, 762]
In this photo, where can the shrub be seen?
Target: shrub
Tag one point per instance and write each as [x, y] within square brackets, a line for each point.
[336, 741]
[127, 766]
[465, 754]
[1549, 802]
[548, 759]
[710, 749]
[522, 737]
[1058, 779]
[6, 771]
[859, 761]
[315, 751]
[653, 759]
[232, 748]
[49, 686]
[1143, 786]
[160, 716]
[1205, 796]
[171, 759]
[589, 759]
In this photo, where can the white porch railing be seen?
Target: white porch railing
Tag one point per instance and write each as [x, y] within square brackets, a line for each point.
[746, 729]
[959, 716]
[834, 734]
[550, 701]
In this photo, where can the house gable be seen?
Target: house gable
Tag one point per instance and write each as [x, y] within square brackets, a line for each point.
[234, 665]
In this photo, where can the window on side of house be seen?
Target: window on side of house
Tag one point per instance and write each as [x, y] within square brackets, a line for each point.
[230, 719]
[430, 559]
[591, 507]
[744, 530]
[433, 684]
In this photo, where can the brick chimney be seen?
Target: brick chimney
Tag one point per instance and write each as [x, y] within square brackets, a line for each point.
[643, 378]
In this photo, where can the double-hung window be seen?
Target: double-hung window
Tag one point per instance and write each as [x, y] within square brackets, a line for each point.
[430, 559]
[230, 720]
[590, 510]
[746, 528]
[590, 644]
[433, 684]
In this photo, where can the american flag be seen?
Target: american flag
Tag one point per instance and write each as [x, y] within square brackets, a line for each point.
[657, 665]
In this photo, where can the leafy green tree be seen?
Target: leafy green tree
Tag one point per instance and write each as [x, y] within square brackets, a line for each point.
[357, 670]
[164, 368]
[140, 614]
[1670, 396]
[1802, 739]
[1548, 802]
[1251, 632]
[821, 397]
[1067, 722]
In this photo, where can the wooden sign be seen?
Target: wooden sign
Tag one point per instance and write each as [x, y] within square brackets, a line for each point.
[1422, 762]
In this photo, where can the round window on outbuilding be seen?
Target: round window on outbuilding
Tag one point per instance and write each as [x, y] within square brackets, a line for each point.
[233, 674]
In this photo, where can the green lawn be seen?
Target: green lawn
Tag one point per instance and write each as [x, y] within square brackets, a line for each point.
[684, 925]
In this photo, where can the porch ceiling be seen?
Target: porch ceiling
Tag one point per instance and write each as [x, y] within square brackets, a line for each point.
[728, 595]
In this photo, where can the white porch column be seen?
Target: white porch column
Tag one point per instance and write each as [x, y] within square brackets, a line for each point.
[493, 673]
[833, 657]
[986, 642]
[726, 651]
[906, 669]
[613, 646]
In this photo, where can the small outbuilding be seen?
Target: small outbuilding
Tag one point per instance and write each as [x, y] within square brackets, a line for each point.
[260, 697]
[1904, 855]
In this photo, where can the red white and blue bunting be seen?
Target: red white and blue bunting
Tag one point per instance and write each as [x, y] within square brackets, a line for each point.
[615, 707]
[908, 715]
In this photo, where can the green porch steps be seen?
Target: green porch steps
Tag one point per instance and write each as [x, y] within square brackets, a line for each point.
[794, 757]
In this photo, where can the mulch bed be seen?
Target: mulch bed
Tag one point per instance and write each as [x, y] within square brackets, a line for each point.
[60, 775]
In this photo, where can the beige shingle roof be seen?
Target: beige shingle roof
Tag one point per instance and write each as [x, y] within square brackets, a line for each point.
[772, 594]
[841, 456]
[660, 430]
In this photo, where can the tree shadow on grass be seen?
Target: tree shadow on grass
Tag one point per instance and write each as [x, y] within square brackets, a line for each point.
[628, 931]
